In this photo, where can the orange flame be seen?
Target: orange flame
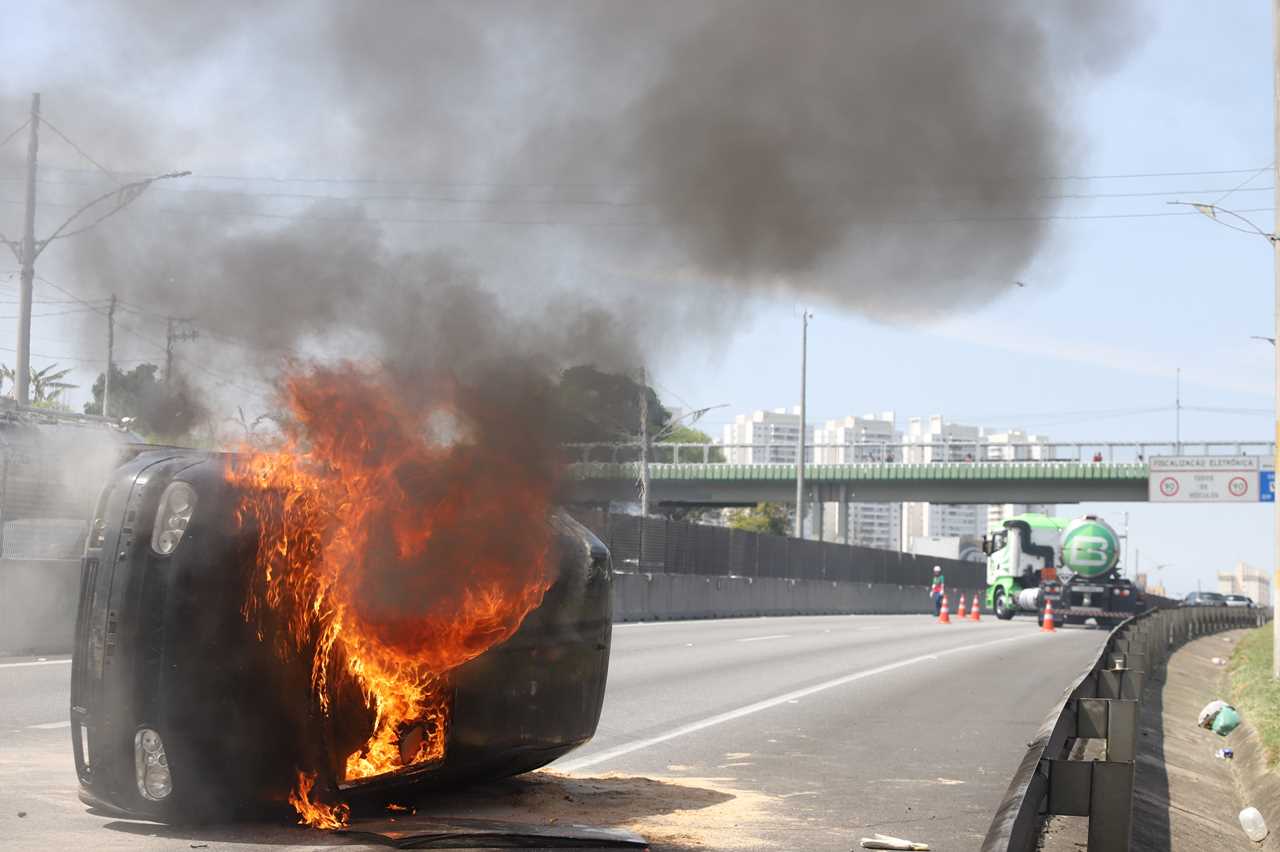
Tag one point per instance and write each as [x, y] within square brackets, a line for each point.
[390, 555]
[316, 814]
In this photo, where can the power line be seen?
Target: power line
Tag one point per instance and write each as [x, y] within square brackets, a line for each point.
[411, 181]
[15, 132]
[394, 220]
[76, 357]
[1240, 186]
[53, 314]
[79, 150]
[626, 203]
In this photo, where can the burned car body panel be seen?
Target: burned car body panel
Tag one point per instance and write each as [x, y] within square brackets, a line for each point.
[161, 644]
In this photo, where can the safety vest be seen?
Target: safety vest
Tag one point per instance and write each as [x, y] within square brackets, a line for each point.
[936, 588]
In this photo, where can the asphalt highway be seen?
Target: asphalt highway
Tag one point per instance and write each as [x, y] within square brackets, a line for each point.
[781, 733]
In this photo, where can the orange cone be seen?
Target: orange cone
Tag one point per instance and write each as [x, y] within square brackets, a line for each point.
[975, 613]
[1048, 627]
[960, 609]
[944, 617]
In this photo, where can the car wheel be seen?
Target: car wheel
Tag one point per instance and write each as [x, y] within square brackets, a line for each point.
[1001, 607]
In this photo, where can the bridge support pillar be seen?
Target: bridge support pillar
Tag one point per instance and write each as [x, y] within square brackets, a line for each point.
[842, 519]
[817, 514]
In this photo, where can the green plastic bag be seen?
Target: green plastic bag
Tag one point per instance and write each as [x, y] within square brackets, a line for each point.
[1227, 721]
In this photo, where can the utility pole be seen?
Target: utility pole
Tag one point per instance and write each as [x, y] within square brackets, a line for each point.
[173, 335]
[804, 356]
[111, 345]
[1275, 248]
[1124, 551]
[22, 369]
[644, 445]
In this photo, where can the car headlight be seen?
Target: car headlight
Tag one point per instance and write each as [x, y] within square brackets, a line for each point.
[176, 505]
[151, 765]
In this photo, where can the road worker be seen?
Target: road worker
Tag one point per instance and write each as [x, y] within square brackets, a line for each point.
[936, 590]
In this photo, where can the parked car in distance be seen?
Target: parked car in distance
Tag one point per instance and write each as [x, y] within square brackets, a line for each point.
[1240, 600]
[1204, 599]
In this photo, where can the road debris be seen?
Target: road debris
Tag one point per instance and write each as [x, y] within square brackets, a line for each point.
[1225, 754]
[1218, 661]
[1253, 824]
[884, 841]
[1219, 717]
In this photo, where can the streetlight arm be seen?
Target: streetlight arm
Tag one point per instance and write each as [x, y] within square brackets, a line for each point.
[695, 415]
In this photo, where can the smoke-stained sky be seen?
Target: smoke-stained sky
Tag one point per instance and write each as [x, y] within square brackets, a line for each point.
[606, 180]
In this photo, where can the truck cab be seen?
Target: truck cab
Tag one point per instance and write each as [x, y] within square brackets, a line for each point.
[1073, 564]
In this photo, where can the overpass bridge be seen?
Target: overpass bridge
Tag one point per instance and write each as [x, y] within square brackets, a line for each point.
[704, 475]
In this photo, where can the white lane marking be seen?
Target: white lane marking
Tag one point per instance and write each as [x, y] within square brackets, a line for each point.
[52, 726]
[762, 638]
[786, 697]
[35, 663]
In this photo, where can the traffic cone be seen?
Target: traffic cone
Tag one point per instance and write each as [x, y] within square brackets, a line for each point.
[975, 612]
[944, 617]
[1048, 627]
[960, 609]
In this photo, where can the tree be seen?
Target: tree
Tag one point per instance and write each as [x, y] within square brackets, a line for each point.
[686, 435]
[598, 407]
[766, 518]
[47, 384]
[161, 410]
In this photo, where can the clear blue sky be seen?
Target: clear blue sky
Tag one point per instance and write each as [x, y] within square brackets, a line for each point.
[1111, 308]
[1110, 311]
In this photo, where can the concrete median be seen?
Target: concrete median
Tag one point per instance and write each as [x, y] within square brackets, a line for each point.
[658, 597]
[38, 600]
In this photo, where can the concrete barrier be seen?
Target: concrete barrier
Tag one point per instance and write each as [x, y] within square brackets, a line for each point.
[656, 597]
[38, 600]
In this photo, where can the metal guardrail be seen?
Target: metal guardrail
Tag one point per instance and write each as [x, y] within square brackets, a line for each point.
[883, 452]
[1102, 704]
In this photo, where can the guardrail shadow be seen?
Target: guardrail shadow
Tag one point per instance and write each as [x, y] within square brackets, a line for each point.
[1151, 826]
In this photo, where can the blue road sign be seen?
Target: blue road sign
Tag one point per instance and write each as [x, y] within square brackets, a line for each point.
[1267, 486]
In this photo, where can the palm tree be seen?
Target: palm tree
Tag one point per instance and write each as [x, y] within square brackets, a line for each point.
[47, 384]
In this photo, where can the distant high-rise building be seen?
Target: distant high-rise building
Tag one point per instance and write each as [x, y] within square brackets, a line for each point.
[1246, 580]
[1011, 445]
[849, 441]
[770, 437]
[934, 440]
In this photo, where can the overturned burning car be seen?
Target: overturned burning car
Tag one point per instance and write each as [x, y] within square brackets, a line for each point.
[217, 672]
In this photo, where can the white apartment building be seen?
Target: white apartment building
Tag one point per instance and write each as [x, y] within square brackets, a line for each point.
[933, 439]
[771, 434]
[860, 439]
[1010, 445]
[1246, 580]
[871, 437]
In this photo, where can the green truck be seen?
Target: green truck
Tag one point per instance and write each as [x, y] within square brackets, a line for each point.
[1035, 558]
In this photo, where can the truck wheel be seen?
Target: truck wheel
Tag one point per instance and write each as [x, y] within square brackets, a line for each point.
[1003, 612]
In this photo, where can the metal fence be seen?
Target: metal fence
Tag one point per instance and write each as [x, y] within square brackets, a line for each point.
[884, 452]
[658, 545]
[1102, 704]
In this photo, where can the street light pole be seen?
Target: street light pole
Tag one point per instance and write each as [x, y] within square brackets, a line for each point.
[804, 355]
[1275, 248]
[22, 365]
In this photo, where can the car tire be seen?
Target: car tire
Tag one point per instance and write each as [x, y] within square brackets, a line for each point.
[1000, 607]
